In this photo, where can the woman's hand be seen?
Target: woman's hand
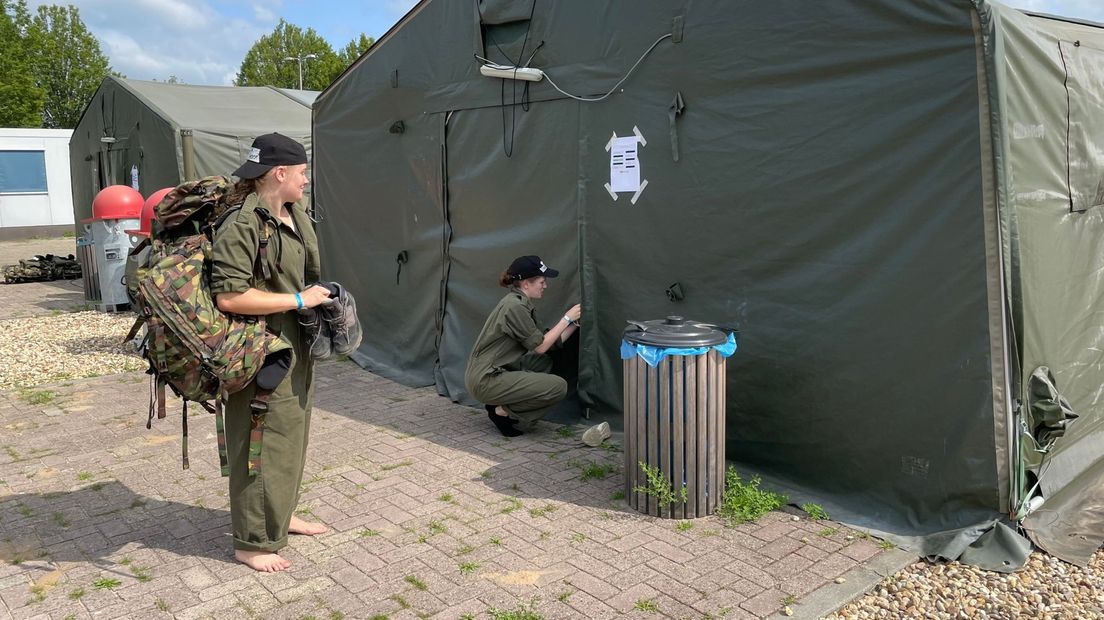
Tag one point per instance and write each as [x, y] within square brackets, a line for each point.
[314, 296]
[574, 313]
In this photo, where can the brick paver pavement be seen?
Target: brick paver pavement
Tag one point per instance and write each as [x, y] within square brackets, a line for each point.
[431, 513]
[37, 298]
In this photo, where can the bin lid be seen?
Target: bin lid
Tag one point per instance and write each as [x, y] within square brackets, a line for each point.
[116, 202]
[674, 331]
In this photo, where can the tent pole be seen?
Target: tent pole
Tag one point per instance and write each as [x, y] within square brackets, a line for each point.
[189, 154]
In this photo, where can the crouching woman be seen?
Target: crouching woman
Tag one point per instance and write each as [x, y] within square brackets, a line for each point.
[508, 370]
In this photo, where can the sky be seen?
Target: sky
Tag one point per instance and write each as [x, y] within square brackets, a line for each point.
[204, 41]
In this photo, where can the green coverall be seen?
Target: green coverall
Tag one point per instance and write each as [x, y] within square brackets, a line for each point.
[503, 369]
[261, 506]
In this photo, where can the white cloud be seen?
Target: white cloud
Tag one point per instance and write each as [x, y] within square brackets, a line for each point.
[153, 39]
[263, 14]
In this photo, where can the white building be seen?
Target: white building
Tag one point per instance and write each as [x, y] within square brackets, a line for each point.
[36, 195]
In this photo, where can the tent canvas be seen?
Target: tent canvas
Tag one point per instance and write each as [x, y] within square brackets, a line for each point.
[171, 133]
[881, 196]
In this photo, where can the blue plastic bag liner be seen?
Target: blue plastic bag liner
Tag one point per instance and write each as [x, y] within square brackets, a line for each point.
[654, 355]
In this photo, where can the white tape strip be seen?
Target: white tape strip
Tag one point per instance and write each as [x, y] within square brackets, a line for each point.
[643, 184]
[612, 193]
[639, 136]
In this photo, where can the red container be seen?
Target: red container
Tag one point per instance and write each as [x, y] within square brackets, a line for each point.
[116, 202]
[148, 215]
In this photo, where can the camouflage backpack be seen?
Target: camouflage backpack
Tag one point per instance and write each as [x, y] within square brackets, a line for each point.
[43, 268]
[194, 348]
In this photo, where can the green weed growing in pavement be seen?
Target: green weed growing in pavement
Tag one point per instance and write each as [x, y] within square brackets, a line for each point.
[566, 431]
[595, 471]
[464, 550]
[446, 497]
[659, 487]
[417, 583]
[542, 511]
[545, 534]
[76, 593]
[618, 495]
[368, 533]
[39, 397]
[827, 532]
[106, 583]
[565, 595]
[24, 510]
[886, 545]
[485, 474]
[403, 604]
[39, 593]
[495, 540]
[380, 617]
[84, 475]
[436, 527]
[578, 538]
[683, 526]
[745, 501]
[521, 612]
[515, 488]
[789, 599]
[815, 512]
[468, 567]
[337, 615]
[512, 504]
[162, 605]
[648, 605]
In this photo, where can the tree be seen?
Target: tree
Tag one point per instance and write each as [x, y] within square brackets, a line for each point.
[266, 64]
[69, 64]
[20, 100]
[355, 49]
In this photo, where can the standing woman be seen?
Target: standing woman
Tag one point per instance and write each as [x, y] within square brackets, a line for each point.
[270, 280]
[508, 370]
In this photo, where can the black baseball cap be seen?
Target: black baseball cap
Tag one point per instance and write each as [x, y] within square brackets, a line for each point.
[269, 151]
[525, 267]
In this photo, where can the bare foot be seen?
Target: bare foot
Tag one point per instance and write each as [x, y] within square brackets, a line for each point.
[263, 561]
[299, 526]
[500, 410]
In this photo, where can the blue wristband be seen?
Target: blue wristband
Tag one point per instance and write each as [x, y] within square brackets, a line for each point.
[299, 301]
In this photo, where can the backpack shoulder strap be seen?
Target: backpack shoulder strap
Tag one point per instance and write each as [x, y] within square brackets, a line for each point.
[266, 219]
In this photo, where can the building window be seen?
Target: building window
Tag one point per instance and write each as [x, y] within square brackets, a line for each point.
[22, 172]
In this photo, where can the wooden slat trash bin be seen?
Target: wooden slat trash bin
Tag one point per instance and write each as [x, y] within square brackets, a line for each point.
[675, 416]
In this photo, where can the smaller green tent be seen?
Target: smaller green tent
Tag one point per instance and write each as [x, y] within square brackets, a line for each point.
[169, 133]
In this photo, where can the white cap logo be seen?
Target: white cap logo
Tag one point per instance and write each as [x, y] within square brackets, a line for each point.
[543, 268]
[254, 155]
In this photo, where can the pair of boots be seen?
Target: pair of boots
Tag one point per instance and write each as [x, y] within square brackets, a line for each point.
[332, 327]
[329, 328]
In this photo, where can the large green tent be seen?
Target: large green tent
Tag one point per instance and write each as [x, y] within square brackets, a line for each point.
[897, 203]
[171, 133]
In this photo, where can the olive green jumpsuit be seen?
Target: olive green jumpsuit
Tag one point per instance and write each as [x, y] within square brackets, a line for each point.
[261, 505]
[503, 369]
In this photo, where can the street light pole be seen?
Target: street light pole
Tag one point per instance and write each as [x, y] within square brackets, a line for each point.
[300, 59]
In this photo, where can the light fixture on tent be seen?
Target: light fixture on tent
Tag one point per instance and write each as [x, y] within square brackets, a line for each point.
[107, 140]
[528, 74]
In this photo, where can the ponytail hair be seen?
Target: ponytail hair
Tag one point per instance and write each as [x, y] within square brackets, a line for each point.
[240, 190]
[505, 280]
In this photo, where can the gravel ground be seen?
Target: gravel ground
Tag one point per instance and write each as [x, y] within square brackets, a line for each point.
[1046, 588]
[48, 349]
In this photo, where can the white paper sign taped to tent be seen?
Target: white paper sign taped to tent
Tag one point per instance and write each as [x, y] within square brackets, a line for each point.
[624, 165]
